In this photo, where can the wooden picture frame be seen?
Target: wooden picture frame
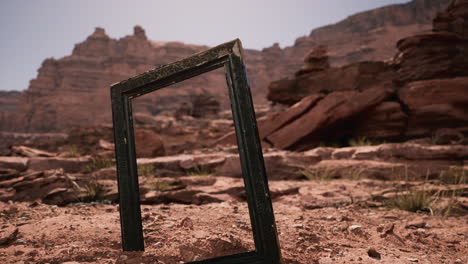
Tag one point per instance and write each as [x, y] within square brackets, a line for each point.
[229, 56]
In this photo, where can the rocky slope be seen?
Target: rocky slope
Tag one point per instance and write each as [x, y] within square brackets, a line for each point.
[79, 83]
[398, 203]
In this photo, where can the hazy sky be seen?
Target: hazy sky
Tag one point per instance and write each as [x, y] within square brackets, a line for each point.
[32, 30]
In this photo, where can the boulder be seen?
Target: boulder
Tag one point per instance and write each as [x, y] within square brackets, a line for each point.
[431, 56]
[148, 143]
[385, 121]
[316, 60]
[354, 77]
[454, 19]
[438, 91]
[284, 92]
[8, 234]
[273, 122]
[16, 163]
[434, 104]
[334, 110]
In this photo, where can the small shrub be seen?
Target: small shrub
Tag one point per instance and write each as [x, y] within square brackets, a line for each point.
[406, 174]
[454, 175]
[97, 164]
[162, 186]
[147, 169]
[331, 144]
[414, 201]
[72, 152]
[93, 191]
[323, 174]
[363, 141]
[199, 171]
[357, 174]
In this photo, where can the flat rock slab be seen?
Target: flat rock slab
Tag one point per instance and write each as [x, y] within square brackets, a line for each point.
[71, 165]
[16, 163]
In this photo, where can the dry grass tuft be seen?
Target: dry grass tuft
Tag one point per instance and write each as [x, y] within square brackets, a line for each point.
[97, 164]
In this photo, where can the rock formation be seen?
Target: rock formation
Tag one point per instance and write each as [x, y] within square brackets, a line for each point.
[423, 89]
[359, 76]
[433, 71]
[9, 101]
[61, 180]
[316, 60]
[79, 83]
[368, 35]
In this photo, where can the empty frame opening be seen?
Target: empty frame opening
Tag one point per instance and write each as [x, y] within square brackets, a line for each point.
[192, 191]
[250, 153]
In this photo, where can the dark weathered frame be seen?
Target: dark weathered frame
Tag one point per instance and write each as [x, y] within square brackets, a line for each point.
[228, 55]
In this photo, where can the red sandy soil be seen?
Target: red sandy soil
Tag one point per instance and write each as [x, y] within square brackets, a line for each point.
[323, 232]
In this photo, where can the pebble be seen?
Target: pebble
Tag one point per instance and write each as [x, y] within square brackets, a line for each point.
[415, 225]
[373, 253]
[8, 234]
[354, 227]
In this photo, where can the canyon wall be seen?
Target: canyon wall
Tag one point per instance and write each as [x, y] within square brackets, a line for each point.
[74, 90]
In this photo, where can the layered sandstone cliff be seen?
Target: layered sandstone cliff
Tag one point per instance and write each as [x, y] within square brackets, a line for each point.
[422, 92]
[74, 90]
[370, 35]
[9, 106]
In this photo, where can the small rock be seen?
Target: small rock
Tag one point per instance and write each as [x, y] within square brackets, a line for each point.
[186, 222]
[373, 253]
[387, 230]
[8, 234]
[380, 228]
[412, 260]
[354, 227]
[35, 203]
[201, 234]
[415, 225]
[345, 218]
